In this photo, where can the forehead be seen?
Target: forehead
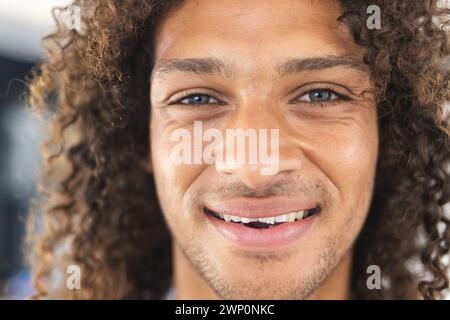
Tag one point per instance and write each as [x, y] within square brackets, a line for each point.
[245, 29]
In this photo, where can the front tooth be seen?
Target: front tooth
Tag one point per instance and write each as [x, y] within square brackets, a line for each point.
[269, 220]
[236, 219]
[299, 214]
[227, 217]
[282, 218]
[220, 215]
[245, 220]
[291, 217]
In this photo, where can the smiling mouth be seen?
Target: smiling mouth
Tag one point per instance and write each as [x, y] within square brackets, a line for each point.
[264, 222]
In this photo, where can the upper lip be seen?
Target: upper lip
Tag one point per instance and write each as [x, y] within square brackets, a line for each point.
[260, 207]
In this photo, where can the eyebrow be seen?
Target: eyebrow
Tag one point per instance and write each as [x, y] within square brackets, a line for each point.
[316, 64]
[195, 65]
[215, 66]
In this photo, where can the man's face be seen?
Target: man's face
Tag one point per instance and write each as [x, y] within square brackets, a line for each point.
[286, 65]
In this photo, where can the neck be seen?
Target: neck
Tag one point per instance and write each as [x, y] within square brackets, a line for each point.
[190, 285]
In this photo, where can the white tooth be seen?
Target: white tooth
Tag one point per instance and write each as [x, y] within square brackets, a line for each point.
[235, 219]
[299, 215]
[245, 220]
[227, 217]
[282, 218]
[291, 217]
[220, 215]
[269, 220]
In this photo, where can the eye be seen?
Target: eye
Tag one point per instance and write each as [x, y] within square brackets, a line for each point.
[321, 96]
[197, 99]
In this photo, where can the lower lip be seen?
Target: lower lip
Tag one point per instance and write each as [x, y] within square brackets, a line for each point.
[264, 238]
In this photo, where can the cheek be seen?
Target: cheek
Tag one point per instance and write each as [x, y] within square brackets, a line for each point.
[351, 159]
[348, 157]
[345, 150]
[345, 157]
[172, 180]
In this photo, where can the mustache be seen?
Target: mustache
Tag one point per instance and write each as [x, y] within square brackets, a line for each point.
[288, 186]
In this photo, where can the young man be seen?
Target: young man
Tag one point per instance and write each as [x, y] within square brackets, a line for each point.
[352, 200]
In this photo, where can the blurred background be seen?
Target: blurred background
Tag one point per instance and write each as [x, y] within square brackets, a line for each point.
[22, 25]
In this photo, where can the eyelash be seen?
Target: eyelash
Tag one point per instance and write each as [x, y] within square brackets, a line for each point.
[338, 98]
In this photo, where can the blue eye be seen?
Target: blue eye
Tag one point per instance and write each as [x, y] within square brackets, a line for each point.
[198, 99]
[320, 96]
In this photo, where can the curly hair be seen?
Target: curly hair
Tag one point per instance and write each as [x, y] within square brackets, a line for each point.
[99, 208]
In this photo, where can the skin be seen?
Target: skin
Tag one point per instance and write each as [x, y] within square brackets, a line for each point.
[328, 151]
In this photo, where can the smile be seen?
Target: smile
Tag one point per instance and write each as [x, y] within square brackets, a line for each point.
[262, 224]
[265, 222]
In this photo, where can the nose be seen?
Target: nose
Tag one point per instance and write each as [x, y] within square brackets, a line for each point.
[258, 134]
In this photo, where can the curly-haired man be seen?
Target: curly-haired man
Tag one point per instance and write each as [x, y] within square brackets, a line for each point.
[361, 179]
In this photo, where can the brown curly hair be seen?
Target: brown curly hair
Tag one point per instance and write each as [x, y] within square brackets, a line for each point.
[99, 208]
